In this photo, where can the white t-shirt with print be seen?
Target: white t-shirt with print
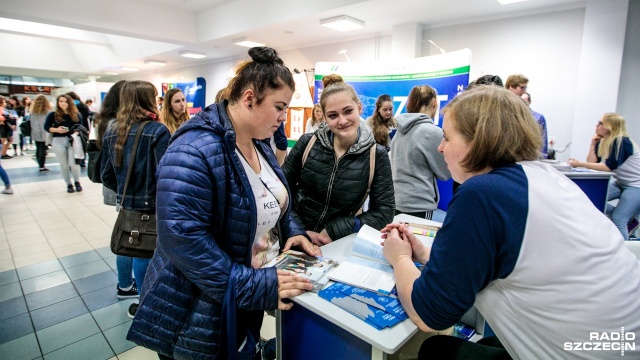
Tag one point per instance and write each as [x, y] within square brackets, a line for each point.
[271, 201]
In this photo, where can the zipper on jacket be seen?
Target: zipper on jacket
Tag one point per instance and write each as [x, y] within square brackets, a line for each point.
[331, 179]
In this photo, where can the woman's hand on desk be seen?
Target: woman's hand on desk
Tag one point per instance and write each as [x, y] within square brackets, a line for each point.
[575, 163]
[319, 239]
[419, 252]
[289, 286]
[302, 242]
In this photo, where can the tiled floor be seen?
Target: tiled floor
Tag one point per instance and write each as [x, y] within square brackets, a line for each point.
[57, 274]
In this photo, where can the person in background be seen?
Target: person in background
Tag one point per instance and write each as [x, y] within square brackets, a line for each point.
[8, 125]
[521, 242]
[28, 140]
[329, 186]
[517, 84]
[382, 123]
[17, 139]
[279, 144]
[416, 163]
[3, 174]
[489, 80]
[222, 95]
[62, 123]
[175, 113]
[17, 105]
[526, 97]
[137, 104]
[126, 287]
[40, 110]
[160, 102]
[317, 118]
[613, 150]
[82, 108]
[221, 197]
[92, 108]
[84, 112]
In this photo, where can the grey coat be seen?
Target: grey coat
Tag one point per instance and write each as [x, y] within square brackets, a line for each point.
[37, 127]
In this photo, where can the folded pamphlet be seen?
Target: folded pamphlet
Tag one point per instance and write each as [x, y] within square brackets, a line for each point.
[338, 294]
[314, 268]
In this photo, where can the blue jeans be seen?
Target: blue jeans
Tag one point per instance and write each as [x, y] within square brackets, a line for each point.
[5, 177]
[125, 265]
[139, 271]
[628, 205]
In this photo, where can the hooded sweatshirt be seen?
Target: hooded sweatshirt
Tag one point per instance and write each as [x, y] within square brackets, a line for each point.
[416, 163]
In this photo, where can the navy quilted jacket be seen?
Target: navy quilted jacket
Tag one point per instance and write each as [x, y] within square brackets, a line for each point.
[206, 222]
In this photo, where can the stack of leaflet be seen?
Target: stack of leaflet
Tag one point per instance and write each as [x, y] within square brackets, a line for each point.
[365, 284]
[379, 311]
[367, 268]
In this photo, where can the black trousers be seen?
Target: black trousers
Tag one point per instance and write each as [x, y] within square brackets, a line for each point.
[422, 214]
[441, 347]
[41, 153]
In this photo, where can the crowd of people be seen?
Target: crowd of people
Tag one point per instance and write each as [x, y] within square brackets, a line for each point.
[517, 236]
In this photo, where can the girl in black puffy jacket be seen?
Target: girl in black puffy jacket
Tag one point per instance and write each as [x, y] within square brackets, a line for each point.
[329, 178]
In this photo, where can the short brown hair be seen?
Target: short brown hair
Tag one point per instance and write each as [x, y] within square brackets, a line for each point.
[497, 124]
[515, 81]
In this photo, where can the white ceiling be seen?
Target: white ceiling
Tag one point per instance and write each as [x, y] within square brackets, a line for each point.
[77, 39]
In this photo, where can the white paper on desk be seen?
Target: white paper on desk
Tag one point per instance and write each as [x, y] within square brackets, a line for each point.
[363, 276]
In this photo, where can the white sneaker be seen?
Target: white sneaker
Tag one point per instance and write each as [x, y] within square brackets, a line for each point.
[7, 191]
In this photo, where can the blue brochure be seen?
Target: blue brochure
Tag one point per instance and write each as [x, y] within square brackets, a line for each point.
[375, 317]
[388, 303]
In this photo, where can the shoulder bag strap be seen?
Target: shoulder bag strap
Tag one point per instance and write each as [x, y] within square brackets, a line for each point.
[132, 159]
[372, 170]
[305, 154]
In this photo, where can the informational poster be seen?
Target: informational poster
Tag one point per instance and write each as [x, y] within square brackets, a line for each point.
[296, 128]
[447, 73]
[194, 92]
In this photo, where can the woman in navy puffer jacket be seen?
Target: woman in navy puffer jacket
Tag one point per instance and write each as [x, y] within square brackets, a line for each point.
[222, 200]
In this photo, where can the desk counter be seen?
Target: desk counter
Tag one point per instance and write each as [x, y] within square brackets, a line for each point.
[333, 326]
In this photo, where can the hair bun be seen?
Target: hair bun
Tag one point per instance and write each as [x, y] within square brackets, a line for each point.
[265, 55]
[331, 79]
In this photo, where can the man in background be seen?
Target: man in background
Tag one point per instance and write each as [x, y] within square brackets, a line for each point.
[517, 84]
[526, 97]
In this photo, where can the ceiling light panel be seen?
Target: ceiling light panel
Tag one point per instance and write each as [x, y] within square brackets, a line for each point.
[342, 23]
[246, 42]
[193, 54]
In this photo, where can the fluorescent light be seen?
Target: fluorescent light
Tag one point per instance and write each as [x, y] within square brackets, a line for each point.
[33, 83]
[506, 2]
[126, 68]
[155, 62]
[246, 42]
[342, 23]
[193, 54]
[110, 73]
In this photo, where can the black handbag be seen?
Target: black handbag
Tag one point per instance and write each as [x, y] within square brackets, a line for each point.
[93, 164]
[135, 232]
